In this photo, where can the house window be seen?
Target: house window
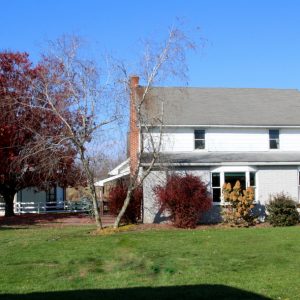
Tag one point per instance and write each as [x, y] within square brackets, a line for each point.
[246, 178]
[199, 139]
[233, 177]
[51, 198]
[274, 138]
[216, 187]
[252, 181]
[299, 186]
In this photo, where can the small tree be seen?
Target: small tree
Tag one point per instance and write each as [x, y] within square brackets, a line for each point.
[282, 210]
[240, 204]
[117, 195]
[185, 197]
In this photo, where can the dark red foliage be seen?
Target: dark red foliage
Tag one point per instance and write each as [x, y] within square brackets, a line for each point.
[28, 130]
[117, 197]
[185, 197]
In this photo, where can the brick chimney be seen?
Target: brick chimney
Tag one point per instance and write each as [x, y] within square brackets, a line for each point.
[134, 131]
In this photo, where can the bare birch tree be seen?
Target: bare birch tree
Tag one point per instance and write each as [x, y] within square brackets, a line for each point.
[160, 62]
[84, 112]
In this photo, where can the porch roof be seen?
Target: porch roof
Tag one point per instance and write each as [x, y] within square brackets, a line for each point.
[112, 178]
[198, 158]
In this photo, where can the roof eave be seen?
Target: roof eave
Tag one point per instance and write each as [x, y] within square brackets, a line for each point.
[274, 163]
[225, 126]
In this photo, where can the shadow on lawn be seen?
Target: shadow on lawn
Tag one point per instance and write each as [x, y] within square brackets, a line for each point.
[172, 292]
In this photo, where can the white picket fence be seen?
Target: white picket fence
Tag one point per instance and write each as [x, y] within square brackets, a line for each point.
[46, 207]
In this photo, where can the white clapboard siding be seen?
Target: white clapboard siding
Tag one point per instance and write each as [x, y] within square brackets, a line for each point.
[181, 139]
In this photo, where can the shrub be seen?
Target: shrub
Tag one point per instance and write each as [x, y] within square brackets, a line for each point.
[282, 210]
[240, 204]
[185, 197]
[117, 196]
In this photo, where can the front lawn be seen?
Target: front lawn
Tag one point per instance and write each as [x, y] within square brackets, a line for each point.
[70, 263]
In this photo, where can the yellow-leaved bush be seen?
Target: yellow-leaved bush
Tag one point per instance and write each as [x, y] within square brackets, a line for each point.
[239, 204]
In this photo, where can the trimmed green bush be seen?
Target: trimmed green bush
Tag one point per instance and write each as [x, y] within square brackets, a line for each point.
[282, 210]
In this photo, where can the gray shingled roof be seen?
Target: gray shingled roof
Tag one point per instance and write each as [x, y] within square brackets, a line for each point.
[226, 106]
[202, 158]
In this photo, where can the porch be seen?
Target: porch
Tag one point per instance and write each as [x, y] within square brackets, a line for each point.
[42, 207]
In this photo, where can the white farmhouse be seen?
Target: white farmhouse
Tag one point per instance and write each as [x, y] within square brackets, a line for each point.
[222, 135]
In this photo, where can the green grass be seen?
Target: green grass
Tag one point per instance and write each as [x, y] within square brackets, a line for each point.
[70, 263]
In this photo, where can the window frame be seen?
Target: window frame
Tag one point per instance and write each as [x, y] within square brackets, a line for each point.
[255, 183]
[241, 172]
[298, 181]
[200, 139]
[277, 140]
[51, 194]
[216, 187]
[246, 170]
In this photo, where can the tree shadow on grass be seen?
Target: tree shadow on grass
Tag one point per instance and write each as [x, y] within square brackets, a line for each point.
[215, 292]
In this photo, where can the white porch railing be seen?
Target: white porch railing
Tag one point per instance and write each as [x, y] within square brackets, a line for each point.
[43, 207]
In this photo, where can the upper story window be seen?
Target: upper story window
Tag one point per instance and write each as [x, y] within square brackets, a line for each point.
[199, 138]
[274, 138]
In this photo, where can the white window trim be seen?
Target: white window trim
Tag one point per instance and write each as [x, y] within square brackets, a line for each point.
[205, 140]
[279, 142]
[221, 185]
[298, 183]
[222, 170]
[234, 169]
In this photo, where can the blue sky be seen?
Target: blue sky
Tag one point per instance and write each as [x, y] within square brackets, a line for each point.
[249, 43]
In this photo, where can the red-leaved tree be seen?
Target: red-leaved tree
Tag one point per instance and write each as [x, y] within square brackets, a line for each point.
[118, 194]
[185, 198]
[24, 160]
